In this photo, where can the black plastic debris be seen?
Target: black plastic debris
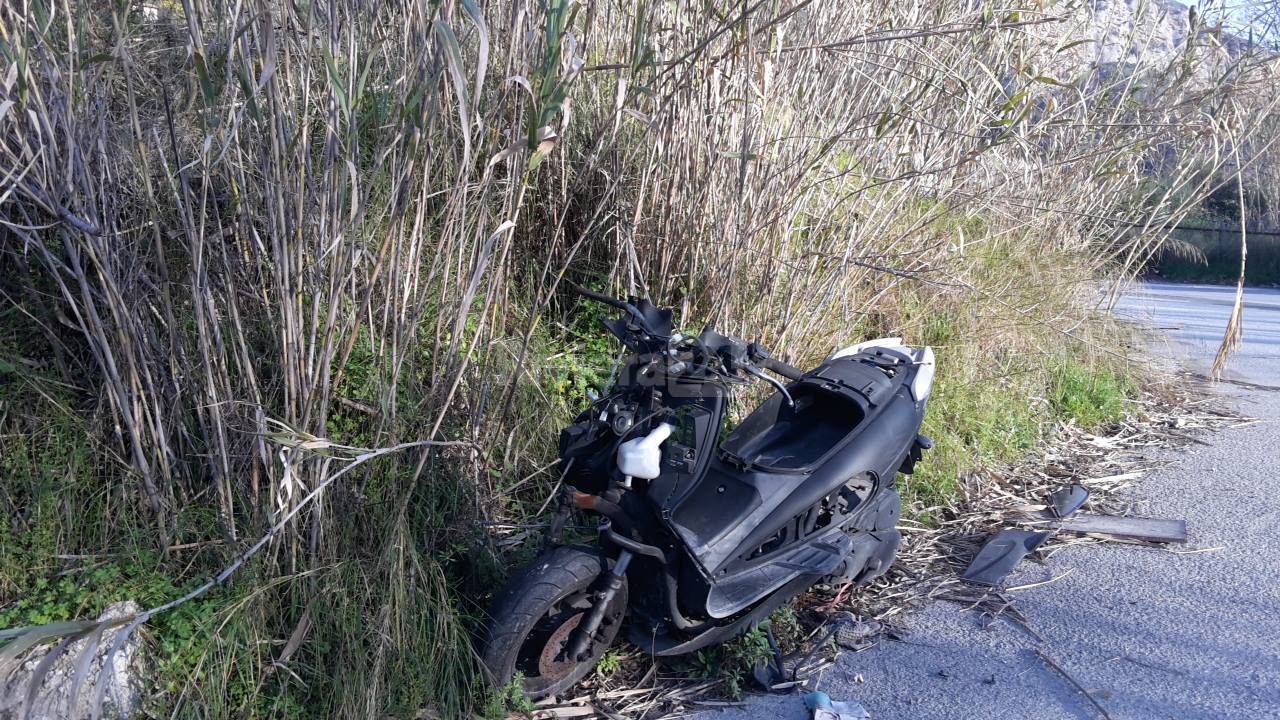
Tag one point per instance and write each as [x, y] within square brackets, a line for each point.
[1065, 501]
[1159, 530]
[1000, 554]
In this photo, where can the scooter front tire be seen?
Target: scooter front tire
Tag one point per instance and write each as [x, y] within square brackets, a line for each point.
[533, 619]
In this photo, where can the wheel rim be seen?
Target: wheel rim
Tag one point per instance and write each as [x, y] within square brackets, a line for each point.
[542, 659]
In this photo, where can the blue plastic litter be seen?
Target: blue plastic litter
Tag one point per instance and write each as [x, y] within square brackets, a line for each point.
[824, 708]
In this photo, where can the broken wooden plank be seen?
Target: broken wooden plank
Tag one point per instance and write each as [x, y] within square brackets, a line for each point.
[1149, 529]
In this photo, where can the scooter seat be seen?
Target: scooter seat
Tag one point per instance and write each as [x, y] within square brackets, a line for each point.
[829, 405]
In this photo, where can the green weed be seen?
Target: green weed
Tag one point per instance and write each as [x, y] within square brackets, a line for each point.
[609, 664]
[751, 647]
[509, 699]
[787, 629]
[734, 662]
[741, 655]
[1090, 396]
[704, 664]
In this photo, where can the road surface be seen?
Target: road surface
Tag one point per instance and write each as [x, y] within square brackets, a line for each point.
[1151, 634]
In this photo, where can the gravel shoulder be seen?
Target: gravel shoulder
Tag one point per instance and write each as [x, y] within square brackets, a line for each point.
[1151, 633]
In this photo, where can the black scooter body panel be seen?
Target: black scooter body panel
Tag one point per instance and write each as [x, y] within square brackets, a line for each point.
[765, 479]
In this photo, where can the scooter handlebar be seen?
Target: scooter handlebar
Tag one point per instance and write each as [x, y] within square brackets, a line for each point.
[757, 354]
[598, 297]
[783, 369]
[739, 350]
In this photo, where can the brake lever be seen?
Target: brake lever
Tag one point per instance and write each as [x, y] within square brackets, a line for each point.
[781, 388]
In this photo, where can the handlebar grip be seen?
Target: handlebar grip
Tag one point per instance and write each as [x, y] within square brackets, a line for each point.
[783, 369]
[602, 298]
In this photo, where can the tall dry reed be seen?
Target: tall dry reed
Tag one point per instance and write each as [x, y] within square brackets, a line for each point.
[255, 230]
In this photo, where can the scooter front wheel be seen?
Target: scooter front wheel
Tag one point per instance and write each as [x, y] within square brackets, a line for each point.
[533, 620]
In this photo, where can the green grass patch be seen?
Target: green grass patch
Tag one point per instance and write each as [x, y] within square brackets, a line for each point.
[991, 406]
[980, 420]
[734, 661]
[1091, 396]
[974, 422]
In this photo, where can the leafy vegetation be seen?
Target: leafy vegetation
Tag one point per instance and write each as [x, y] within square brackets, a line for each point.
[733, 662]
[1089, 395]
[502, 702]
[610, 663]
[974, 421]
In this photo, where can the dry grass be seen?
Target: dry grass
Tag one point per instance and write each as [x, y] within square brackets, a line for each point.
[355, 219]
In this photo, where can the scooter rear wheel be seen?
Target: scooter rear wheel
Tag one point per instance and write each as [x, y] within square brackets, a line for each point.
[534, 618]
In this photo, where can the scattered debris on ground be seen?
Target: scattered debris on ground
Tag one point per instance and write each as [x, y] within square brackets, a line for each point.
[1064, 501]
[1001, 553]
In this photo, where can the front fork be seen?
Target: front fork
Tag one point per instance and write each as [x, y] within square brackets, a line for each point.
[585, 631]
[571, 499]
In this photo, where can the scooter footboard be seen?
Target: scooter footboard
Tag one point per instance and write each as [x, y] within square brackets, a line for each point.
[733, 592]
[667, 646]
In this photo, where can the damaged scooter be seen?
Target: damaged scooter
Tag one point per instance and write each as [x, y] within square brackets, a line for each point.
[703, 533]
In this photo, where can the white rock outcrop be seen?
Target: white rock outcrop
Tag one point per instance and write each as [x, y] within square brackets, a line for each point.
[123, 692]
[1147, 33]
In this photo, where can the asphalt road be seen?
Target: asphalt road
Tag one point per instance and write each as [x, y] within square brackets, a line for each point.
[1150, 633]
[1192, 317]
